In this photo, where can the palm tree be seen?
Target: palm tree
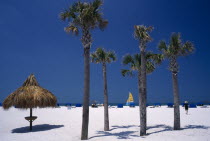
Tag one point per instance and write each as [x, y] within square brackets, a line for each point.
[172, 51]
[141, 33]
[84, 17]
[103, 57]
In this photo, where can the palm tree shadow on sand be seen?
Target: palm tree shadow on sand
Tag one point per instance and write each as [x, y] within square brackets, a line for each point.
[163, 126]
[119, 135]
[36, 128]
[196, 127]
[169, 128]
[129, 134]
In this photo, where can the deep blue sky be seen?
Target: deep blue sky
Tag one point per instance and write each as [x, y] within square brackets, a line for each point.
[32, 40]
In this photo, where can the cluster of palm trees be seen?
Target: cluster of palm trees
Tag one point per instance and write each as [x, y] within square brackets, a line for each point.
[86, 16]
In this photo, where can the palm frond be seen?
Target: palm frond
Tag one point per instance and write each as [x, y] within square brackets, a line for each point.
[125, 72]
[149, 28]
[187, 48]
[141, 33]
[96, 4]
[101, 54]
[94, 58]
[150, 67]
[134, 62]
[137, 61]
[157, 58]
[127, 59]
[72, 29]
[175, 43]
[64, 15]
[110, 57]
[162, 46]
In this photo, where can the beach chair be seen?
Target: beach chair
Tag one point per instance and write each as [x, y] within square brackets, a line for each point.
[120, 106]
[170, 105]
[192, 106]
[199, 104]
[78, 105]
[132, 105]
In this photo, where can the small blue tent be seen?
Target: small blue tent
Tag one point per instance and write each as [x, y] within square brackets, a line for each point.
[170, 105]
[78, 105]
[120, 106]
[132, 105]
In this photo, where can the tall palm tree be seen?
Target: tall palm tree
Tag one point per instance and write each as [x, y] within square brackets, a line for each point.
[172, 51]
[141, 33]
[84, 17]
[103, 57]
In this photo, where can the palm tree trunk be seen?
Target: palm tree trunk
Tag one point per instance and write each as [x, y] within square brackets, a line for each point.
[139, 89]
[86, 41]
[143, 94]
[106, 112]
[85, 115]
[176, 102]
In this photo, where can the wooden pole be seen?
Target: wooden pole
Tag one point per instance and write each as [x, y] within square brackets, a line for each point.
[30, 119]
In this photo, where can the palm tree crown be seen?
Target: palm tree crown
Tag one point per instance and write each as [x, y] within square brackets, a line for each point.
[141, 33]
[84, 16]
[174, 49]
[101, 56]
[135, 63]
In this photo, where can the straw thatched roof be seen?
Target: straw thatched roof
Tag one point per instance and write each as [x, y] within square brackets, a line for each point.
[30, 95]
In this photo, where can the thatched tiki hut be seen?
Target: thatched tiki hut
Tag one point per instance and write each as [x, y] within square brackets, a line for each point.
[30, 95]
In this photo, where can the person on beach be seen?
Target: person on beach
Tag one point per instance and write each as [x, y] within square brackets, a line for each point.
[186, 106]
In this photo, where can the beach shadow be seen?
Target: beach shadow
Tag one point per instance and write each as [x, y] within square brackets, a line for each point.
[120, 127]
[128, 134]
[36, 128]
[163, 126]
[196, 127]
[169, 128]
[119, 135]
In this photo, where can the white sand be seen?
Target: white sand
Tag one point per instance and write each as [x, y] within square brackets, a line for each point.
[61, 124]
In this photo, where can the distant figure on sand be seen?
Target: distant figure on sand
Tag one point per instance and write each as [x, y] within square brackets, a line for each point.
[186, 106]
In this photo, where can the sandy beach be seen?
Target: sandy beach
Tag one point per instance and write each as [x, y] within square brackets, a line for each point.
[63, 124]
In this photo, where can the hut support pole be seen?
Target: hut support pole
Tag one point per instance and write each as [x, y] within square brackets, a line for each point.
[31, 119]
